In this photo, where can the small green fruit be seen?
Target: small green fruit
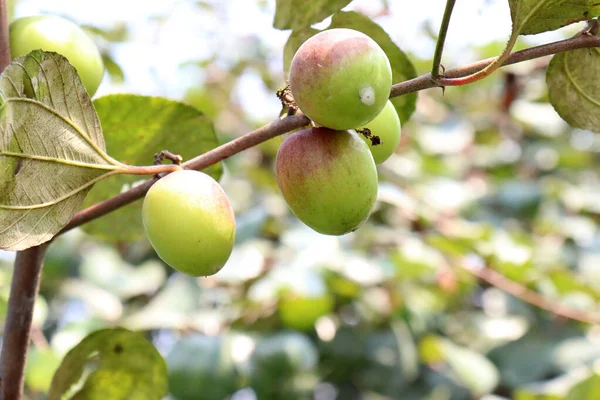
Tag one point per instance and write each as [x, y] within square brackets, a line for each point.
[301, 312]
[387, 127]
[328, 179]
[340, 78]
[283, 366]
[202, 367]
[189, 222]
[284, 353]
[51, 33]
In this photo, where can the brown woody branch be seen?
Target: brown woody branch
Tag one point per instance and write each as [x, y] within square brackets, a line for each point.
[426, 81]
[4, 39]
[25, 283]
[29, 262]
[500, 281]
[290, 123]
[207, 159]
[17, 329]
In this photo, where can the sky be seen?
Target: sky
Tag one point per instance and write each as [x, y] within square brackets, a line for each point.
[152, 59]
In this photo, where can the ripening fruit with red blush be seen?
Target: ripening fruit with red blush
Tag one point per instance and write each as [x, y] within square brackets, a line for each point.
[340, 78]
[328, 179]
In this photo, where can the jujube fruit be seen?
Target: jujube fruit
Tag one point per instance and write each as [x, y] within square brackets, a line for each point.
[328, 179]
[189, 222]
[301, 312]
[51, 33]
[202, 367]
[386, 126]
[340, 78]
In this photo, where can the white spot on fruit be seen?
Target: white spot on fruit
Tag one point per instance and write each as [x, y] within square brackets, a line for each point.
[367, 95]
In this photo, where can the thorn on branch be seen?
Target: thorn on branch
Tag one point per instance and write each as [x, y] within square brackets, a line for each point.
[592, 28]
[166, 154]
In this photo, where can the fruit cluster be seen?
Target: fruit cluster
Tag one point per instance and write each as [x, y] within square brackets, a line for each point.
[339, 78]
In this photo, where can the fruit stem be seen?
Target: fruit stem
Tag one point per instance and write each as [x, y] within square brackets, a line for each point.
[493, 66]
[439, 48]
[166, 154]
[150, 169]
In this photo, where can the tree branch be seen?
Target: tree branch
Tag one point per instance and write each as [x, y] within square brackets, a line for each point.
[439, 47]
[290, 123]
[498, 280]
[17, 329]
[24, 286]
[202, 161]
[426, 81]
[4, 39]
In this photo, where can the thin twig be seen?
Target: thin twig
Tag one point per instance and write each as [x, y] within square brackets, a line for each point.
[292, 122]
[426, 81]
[207, 159]
[500, 281]
[17, 329]
[439, 47]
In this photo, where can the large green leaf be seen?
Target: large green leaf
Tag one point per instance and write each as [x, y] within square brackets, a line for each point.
[51, 149]
[574, 87]
[470, 368]
[114, 364]
[135, 128]
[535, 16]
[297, 14]
[402, 68]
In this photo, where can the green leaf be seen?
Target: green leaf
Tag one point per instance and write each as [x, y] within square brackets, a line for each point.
[586, 390]
[135, 128]
[574, 87]
[472, 369]
[297, 14]
[114, 364]
[297, 37]
[114, 70]
[51, 149]
[402, 68]
[535, 16]
[466, 366]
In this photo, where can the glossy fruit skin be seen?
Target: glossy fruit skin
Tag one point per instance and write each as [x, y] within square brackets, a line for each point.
[328, 179]
[52, 33]
[340, 78]
[189, 222]
[387, 127]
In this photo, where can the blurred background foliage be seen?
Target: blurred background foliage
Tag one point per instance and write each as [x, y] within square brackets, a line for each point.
[487, 177]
